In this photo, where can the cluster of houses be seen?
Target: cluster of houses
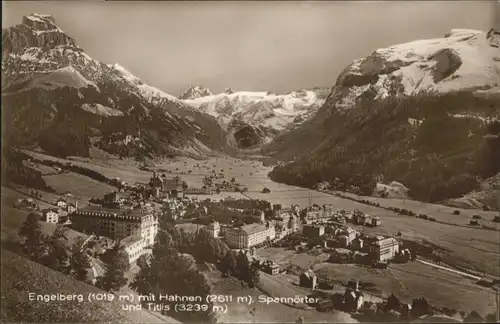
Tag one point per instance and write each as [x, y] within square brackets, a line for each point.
[379, 248]
[59, 214]
[28, 204]
[261, 232]
[316, 214]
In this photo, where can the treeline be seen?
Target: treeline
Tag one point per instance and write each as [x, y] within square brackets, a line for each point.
[74, 168]
[172, 269]
[53, 250]
[444, 157]
[14, 171]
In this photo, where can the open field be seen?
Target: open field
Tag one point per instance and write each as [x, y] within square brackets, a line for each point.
[21, 277]
[439, 212]
[262, 313]
[467, 246]
[289, 257]
[444, 288]
[77, 184]
[412, 280]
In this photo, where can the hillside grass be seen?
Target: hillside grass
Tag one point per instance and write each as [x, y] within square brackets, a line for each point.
[263, 313]
[77, 184]
[20, 277]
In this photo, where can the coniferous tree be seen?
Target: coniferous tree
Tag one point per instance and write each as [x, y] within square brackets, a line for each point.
[34, 240]
[228, 264]
[114, 277]
[58, 256]
[254, 274]
[79, 260]
[172, 273]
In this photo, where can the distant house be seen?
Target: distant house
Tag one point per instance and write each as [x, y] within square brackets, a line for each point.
[71, 208]
[353, 300]
[357, 244]
[271, 267]
[112, 199]
[308, 279]
[384, 249]
[50, 215]
[376, 221]
[61, 203]
[344, 241]
[214, 229]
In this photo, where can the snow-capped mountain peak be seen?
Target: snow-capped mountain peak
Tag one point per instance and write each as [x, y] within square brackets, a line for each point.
[46, 74]
[462, 59]
[268, 112]
[194, 92]
[124, 73]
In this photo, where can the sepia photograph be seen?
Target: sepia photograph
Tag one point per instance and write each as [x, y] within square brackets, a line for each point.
[250, 162]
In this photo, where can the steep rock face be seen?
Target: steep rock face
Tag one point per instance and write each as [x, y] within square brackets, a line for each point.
[35, 31]
[194, 92]
[267, 113]
[48, 81]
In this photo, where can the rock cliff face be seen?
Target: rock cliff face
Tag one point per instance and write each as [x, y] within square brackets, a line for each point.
[48, 81]
[194, 92]
[35, 31]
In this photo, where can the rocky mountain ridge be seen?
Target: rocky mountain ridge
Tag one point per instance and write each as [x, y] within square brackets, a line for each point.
[462, 59]
[194, 92]
[49, 81]
[257, 117]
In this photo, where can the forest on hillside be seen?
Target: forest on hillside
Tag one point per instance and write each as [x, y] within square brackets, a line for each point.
[439, 145]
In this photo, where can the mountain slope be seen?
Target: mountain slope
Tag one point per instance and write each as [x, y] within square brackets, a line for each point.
[370, 131]
[256, 117]
[21, 277]
[50, 87]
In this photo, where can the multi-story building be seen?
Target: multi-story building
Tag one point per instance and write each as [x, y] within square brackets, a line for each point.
[171, 187]
[116, 224]
[61, 203]
[71, 208]
[271, 267]
[135, 247]
[249, 235]
[214, 229]
[384, 249]
[51, 215]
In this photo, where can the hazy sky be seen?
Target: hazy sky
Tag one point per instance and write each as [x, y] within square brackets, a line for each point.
[276, 46]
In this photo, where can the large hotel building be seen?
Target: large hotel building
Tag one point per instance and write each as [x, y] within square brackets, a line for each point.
[249, 235]
[135, 229]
